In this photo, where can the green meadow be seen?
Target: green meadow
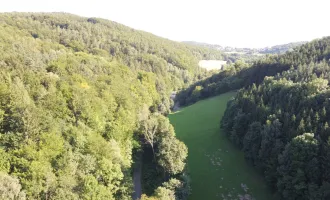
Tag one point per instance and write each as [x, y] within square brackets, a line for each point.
[217, 168]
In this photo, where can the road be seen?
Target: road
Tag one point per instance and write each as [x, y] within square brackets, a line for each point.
[137, 179]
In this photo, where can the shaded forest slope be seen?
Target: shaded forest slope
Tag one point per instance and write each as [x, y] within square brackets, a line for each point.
[282, 123]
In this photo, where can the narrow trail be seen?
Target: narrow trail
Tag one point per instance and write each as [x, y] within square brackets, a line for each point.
[176, 107]
[137, 179]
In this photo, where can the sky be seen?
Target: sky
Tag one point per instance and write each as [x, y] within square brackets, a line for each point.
[237, 23]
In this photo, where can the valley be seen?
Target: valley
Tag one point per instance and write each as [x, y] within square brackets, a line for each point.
[216, 167]
[93, 109]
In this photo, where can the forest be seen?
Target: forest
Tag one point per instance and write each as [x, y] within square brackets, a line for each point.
[279, 117]
[80, 99]
[243, 74]
[282, 123]
[84, 101]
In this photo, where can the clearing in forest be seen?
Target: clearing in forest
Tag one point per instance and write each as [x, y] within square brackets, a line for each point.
[217, 168]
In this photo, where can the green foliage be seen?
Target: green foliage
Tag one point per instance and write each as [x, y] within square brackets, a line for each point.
[163, 193]
[172, 154]
[76, 46]
[92, 190]
[252, 142]
[166, 192]
[215, 165]
[164, 155]
[10, 188]
[4, 161]
[240, 74]
[285, 129]
[73, 93]
[299, 168]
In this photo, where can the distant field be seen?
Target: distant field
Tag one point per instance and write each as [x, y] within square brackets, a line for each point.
[218, 169]
[212, 64]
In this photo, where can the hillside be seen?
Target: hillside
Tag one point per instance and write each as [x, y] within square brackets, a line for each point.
[80, 98]
[137, 49]
[280, 49]
[282, 123]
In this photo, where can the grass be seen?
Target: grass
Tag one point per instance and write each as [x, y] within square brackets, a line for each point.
[217, 168]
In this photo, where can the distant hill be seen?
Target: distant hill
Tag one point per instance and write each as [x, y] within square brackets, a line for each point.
[278, 49]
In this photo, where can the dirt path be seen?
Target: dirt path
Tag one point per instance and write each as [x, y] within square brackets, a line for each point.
[176, 107]
[137, 179]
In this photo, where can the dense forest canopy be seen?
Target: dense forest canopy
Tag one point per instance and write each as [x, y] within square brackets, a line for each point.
[137, 49]
[79, 97]
[282, 122]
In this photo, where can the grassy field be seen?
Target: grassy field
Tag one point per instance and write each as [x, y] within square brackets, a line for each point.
[217, 168]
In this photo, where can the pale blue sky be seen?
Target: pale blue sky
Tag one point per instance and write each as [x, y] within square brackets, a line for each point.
[240, 23]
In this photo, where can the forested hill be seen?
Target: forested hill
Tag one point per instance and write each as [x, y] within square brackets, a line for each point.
[79, 97]
[137, 49]
[241, 74]
[282, 124]
[277, 49]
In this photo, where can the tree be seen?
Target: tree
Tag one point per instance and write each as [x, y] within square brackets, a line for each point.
[325, 168]
[271, 147]
[4, 161]
[172, 154]
[150, 130]
[92, 190]
[294, 85]
[252, 142]
[301, 127]
[71, 93]
[299, 172]
[10, 188]
[168, 191]
[197, 93]
[162, 193]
